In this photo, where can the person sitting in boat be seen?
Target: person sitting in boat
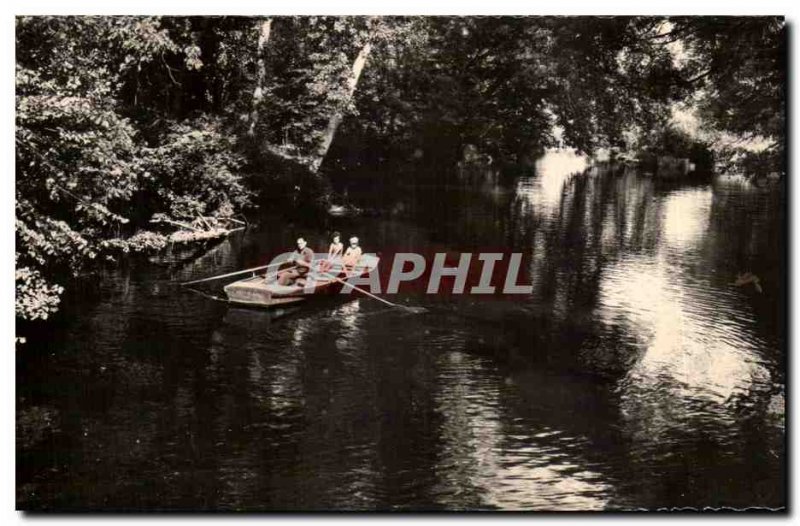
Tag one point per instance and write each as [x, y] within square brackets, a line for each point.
[302, 258]
[334, 251]
[352, 255]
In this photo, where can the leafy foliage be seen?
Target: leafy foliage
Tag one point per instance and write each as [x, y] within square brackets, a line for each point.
[737, 65]
[36, 298]
[193, 171]
[84, 166]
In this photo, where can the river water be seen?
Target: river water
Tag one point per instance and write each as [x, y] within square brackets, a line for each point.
[635, 375]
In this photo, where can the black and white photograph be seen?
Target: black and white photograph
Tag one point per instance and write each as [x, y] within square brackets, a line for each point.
[400, 263]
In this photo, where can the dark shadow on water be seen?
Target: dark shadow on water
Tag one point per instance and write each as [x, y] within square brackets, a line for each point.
[636, 375]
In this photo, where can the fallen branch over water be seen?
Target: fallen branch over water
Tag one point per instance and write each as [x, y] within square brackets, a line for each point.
[154, 242]
[183, 236]
[181, 224]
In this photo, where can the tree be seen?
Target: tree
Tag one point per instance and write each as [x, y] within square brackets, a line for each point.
[338, 113]
[737, 66]
[264, 31]
[90, 97]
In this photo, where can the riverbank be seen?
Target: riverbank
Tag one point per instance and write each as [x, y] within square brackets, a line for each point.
[190, 238]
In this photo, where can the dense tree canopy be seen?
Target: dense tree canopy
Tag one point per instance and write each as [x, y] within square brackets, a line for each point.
[120, 118]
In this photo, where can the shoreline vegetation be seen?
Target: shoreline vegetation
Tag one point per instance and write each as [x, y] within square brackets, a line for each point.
[127, 126]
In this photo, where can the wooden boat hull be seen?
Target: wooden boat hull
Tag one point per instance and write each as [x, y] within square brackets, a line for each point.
[252, 292]
[256, 291]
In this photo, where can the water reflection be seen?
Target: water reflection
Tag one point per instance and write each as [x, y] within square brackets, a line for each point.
[635, 375]
[685, 217]
[544, 193]
[683, 329]
[492, 460]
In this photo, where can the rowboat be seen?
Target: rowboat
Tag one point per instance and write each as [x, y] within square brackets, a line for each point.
[265, 292]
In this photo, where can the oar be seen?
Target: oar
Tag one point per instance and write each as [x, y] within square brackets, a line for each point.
[373, 296]
[222, 276]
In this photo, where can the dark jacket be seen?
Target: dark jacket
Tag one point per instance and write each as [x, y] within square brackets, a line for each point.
[306, 255]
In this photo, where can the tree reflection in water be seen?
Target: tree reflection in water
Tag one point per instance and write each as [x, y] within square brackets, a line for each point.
[635, 374]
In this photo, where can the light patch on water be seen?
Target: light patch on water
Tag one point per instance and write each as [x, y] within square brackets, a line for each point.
[480, 466]
[541, 486]
[302, 328]
[554, 169]
[685, 216]
[683, 355]
[347, 316]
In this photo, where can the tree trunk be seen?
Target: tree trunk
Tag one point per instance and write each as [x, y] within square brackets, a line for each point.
[338, 115]
[261, 71]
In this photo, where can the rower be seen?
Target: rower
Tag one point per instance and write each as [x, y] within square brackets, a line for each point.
[302, 258]
[353, 254]
[334, 252]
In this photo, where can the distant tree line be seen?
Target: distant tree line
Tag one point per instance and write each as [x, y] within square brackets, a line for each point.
[120, 118]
